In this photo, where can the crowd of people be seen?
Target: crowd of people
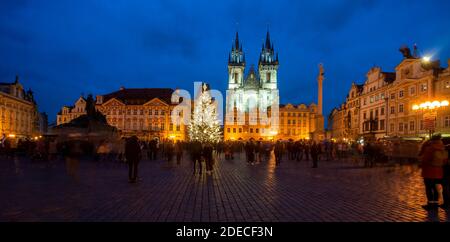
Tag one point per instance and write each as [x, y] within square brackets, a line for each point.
[433, 155]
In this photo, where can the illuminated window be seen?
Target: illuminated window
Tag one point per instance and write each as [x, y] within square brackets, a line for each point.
[411, 125]
[400, 127]
[234, 130]
[228, 129]
[400, 108]
[392, 110]
[392, 95]
[424, 87]
[178, 127]
[447, 121]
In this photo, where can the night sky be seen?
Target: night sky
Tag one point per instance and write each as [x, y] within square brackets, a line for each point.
[62, 49]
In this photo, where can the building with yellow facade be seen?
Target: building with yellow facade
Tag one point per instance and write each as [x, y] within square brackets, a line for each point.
[386, 101]
[69, 113]
[144, 112]
[18, 111]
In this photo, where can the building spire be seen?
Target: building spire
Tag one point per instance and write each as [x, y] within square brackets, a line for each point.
[268, 45]
[236, 43]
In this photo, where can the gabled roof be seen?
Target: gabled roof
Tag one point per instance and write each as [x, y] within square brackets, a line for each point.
[140, 96]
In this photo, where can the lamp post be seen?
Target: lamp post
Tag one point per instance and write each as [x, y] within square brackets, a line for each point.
[429, 110]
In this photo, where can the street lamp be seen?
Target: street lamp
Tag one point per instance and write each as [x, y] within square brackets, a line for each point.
[430, 109]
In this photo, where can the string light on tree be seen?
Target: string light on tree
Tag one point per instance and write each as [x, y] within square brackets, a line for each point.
[204, 126]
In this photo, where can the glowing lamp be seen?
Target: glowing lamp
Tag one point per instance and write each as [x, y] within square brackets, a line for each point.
[426, 59]
[415, 107]
[444, 103]
[11, 135]
[436, 104]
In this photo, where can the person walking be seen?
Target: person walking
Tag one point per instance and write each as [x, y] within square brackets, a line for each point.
[446, 182]
[208, 156]
[433, 157]
[179, 151]
[196, 155]
[278, 150]
[133, 156]
[315, 151]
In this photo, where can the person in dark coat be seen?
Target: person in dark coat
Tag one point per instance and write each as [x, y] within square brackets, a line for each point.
[278, 150]
[133, 156]
[208, 156]
[179, 151]
[446, 182]
[315, 151]
[433, 157]
[195, 150]
[250, 152]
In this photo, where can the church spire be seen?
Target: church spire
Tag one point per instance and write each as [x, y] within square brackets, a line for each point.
[268, 45]
[236, 57]
[236, 43]
[268, 55]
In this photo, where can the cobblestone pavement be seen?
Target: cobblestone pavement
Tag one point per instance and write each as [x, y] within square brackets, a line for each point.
[336, 191]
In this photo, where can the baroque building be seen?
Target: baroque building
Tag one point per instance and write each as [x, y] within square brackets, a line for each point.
[69, 113]
[386, 99]
[18, 111]
[144, 112]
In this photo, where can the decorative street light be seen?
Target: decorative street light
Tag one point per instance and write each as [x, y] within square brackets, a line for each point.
[430, 112]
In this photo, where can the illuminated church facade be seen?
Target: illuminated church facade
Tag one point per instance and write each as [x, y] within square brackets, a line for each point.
[252, 96]
[253, 109]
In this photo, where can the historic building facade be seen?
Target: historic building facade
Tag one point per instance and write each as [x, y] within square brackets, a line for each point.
[297, 121]
[68, 113]
[252, 101]
[373, 108]
[386, 101]
[251, 98]
[417, 82]
[144, 112]
[18, 111]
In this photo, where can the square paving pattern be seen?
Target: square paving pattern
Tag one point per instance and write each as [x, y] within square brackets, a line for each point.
[84, 190]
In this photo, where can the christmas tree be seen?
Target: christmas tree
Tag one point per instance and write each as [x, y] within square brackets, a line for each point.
[204, 126]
